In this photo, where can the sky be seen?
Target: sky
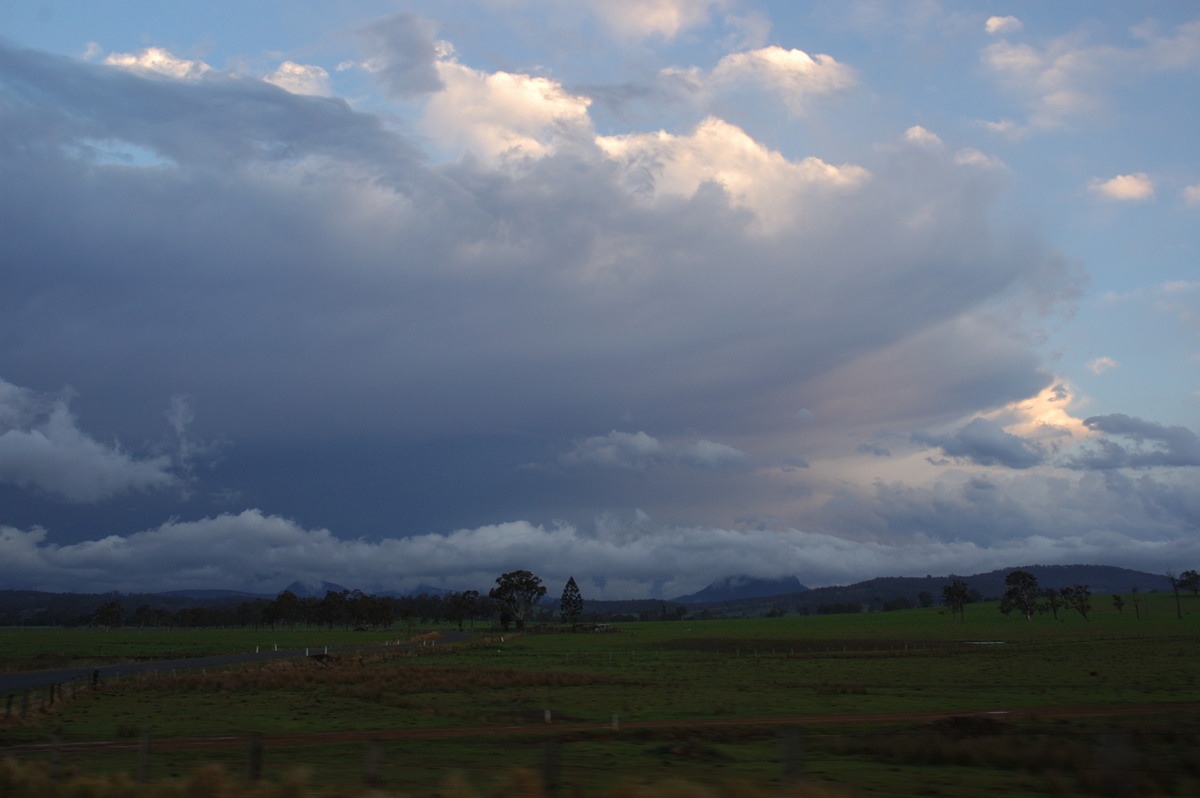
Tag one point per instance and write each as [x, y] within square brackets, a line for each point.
[644, 292]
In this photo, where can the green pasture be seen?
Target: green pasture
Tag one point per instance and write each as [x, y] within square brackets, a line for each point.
[41, 648]
[807, 673]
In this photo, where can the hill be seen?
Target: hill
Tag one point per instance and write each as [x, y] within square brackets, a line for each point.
[743, 587]
[901, 592]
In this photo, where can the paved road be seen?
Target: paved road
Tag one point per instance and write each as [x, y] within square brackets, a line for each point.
[30, 680]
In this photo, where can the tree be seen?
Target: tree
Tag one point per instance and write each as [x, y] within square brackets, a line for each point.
[925, 598]
[1054, 600]
[1021, 594]
[470, 600]
[516, 592]
[1190, 580]
[571, 603]
[1078, 598]
[1137, 605]
[110, 614]
[955, 596]
[1118, 602]
[1174, 580]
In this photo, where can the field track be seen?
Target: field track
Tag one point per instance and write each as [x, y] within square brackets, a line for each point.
[556, 729]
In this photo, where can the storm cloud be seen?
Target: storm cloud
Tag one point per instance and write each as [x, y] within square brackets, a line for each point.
[436, 305]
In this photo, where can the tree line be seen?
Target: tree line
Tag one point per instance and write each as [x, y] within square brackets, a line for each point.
[511, 602]
[1026, 598]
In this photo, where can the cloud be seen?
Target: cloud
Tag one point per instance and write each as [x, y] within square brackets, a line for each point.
[300, 79]
[887, 530]
[402, 55]
[1131, 188]
[1008, 24]
[719, 153]
[1070, 78]
[1146, 445]
[716, 456]
[1101, 364]
[1191, 194]
[502, 114]
[793, 75]
[922, 137]
[157, 60]
[312, 276]
[984, 442]
[635, 19]
[640, 451]
[1167, 51]
[42, 449]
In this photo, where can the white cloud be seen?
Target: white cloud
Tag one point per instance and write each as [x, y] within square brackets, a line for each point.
[793, 75]
[1130, 188]
[160, 61]
[1007, 128]
[502, 113]
[1009, 24]
[300, 78]
[1191, 194]
[925, 138]
[1101, 364]
[754, 176]
[1166, 51]
[969, 156]
[43, 449]
[1070, 77]
[956, 526]
[644, 18]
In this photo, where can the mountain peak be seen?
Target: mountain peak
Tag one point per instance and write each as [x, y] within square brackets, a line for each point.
[742, 586]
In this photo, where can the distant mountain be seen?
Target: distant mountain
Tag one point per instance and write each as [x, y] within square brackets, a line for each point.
[899, 591]
[1098, 578]
[213, 594]
[732, 588]
[419, 590]
[312, 589]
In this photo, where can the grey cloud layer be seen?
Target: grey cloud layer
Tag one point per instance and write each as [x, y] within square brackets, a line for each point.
[296, 252]
[1148, 444]
[961, 524]
[302, 272]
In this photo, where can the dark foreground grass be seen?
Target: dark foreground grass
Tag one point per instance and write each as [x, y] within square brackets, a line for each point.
[809, 676]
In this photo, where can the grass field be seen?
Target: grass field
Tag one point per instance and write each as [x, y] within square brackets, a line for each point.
[788, 704]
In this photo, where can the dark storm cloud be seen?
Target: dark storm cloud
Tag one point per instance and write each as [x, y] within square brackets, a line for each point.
[985, 442]
[1145, 444]
[59, 106]
[327, 299]
[297, 264]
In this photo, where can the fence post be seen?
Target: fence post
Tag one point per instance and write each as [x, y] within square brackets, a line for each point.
[254, 769]
[790, 754]
[55, 757]
[143, 769]
[550, 766]
[374, 763]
